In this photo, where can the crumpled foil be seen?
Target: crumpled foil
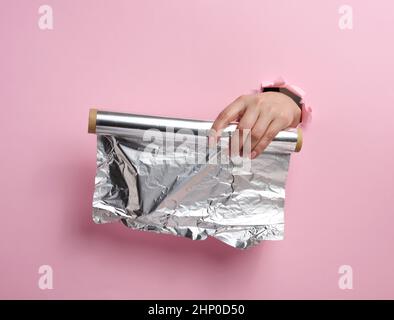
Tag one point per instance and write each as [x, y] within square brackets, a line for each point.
[159, 187]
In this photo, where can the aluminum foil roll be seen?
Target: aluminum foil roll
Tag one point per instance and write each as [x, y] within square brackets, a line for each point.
[159, 174]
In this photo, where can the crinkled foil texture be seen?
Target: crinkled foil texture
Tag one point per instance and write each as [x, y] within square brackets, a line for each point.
[165, 191]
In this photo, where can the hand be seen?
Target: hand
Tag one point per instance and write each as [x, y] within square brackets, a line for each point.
[264, 114]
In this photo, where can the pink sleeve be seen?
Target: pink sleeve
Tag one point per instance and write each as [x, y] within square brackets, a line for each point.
[306, 115]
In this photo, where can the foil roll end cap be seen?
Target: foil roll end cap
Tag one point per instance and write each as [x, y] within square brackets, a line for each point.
[92, 120]
[299, 141]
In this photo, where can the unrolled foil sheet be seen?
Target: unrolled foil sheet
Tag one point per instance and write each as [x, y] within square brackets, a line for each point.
[159, 174]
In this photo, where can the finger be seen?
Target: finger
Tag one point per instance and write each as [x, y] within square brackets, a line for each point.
[234, 144]
[272, 130]
[247, 122]
[229, 114]
[240, 143]
[260, 128]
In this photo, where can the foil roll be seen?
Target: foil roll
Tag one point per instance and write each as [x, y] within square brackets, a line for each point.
[159, 174]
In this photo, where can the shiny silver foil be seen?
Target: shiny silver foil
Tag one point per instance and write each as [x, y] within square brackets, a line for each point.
[176, 188]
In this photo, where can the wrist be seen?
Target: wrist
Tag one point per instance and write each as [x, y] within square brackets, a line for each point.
[294, 92]
[297, 99]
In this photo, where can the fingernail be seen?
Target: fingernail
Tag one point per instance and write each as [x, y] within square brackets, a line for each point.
[253, 154]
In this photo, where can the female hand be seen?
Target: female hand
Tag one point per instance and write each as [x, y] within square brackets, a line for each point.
[264, 114]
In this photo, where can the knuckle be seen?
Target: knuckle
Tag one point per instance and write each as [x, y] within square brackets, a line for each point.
[269, 109]
[284, 117]
[224, 114]
[259, 100]
[255, 135]
[270, 135]
[244, 126]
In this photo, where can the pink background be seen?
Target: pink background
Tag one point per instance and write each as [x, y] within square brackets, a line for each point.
[190, 59]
